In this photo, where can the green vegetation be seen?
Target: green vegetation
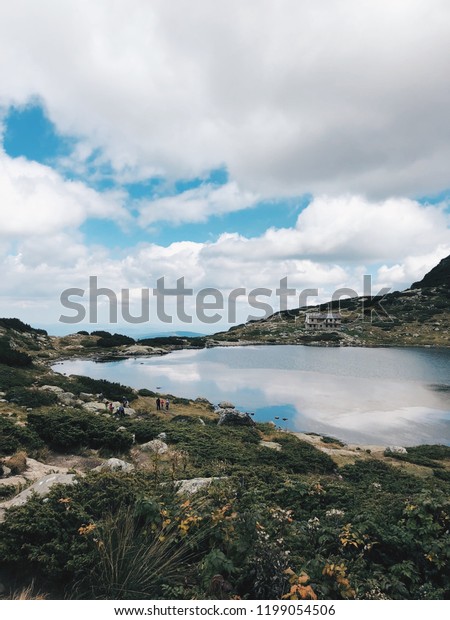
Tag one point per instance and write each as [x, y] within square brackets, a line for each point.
[274, 524]
[14, 438]
[21, 327]
[426, 455]
[12, 357]
[72, 430]
[31, 397]
[258, 534]
[109, 389]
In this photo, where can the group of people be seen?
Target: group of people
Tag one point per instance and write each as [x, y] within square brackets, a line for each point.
[120, 410]
[162, 404]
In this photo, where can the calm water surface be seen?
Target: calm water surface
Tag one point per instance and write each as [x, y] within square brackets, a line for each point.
[387, 396]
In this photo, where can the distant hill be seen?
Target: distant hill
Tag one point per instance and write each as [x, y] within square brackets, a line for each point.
[438, 276]
[418, 316]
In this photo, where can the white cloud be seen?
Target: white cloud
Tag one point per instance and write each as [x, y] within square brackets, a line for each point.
[36, 201]
[196, 205]
[291, 96]
[334, 243]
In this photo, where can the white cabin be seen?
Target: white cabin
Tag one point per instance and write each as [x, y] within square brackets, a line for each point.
[323, 320]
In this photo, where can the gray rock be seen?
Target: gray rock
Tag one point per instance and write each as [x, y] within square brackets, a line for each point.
[201, 421]
[396, 450]
[84, 396]
[115, 465]
[156, 446]
[225, 404]
[162, 436]
[66, 397]
[41, 487]
[52, 388]
[231, 417]
[6, 472]
[131, 413]
[95, 407]
[271, 444]
[189, 487]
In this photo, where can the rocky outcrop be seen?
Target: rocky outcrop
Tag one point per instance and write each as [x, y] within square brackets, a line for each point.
[115, 465]
[40, 487]
[189, 487]
[395, 450]
[438, 276]
[273, 445]
[156, 446]
[232, 417]
[225, 404]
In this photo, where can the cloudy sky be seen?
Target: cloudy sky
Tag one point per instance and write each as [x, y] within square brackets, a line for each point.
[232, 144]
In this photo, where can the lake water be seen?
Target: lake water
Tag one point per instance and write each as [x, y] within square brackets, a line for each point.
[386, 395]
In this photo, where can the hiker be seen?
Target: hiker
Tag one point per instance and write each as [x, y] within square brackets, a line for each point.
[162, 403]
[158, 404]
[167, 404]
[111, 408]
[121, 411]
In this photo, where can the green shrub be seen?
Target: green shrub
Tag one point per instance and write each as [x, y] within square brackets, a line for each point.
[10, 377]
[11, 357]
[71, 429]
[145, 392]
[110, 390]
[115, 340]
[425, 455]
[29, 397]
[21, 327]
[14, 438]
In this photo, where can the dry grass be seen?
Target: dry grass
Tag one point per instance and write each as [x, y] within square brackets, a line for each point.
[17, 463]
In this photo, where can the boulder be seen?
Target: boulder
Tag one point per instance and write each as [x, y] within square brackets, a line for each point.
[85, 397]
[396, 450]
[138, 349]
[231, 417]
[41, 487]
[189, 487]
[162, 436]
[115, 465]
[95, 407]
[52, 388]
[273, 445]
[156, 446]
[66, 397]
[225, 404]
[4, 471]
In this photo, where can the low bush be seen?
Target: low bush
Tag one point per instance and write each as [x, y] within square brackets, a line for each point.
[69, 430]
[110, 389]
[29, 397]
[10, 377]
[114, 340]
[11, 357]
[20, 326]
[14, 438]
[425, 455]
[145, 392]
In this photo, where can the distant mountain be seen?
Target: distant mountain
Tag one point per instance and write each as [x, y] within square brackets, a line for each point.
[438, 276]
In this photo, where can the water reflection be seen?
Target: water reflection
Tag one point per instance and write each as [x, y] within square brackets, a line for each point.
[370, 395]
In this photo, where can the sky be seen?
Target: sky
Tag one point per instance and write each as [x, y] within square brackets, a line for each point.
[231, 144]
